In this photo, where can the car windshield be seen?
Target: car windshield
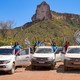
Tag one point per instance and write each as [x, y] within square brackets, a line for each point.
[6, 51]
[44, 50]
[74, 50]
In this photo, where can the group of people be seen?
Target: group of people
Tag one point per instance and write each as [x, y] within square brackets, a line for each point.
[53, 44]
[37, 43]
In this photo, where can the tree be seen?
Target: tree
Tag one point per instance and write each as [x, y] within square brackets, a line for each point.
[5, 27]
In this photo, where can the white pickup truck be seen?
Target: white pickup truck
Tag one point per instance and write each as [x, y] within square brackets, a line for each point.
[43, 56]
[9, 61]
[72, 57]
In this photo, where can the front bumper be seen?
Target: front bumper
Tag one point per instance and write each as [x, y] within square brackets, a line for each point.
[72, 64]
[42, 63]
[5, 67]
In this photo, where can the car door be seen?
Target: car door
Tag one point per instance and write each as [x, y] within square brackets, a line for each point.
[58, 54]
[31, 52]
[63, 55]
[23, 58]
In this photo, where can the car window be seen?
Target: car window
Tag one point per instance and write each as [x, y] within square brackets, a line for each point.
[24, 52]
[27, 51]
[74, 50]
[6, 51]
[59, 50]
[44, 50]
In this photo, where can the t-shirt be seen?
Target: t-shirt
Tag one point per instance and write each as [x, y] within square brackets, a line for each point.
[54, 47]
[17, 47]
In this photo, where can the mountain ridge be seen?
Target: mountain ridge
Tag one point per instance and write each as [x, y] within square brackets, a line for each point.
[60, 26]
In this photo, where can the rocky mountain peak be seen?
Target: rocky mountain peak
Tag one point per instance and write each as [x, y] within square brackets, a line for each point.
[44, 3]
[42, 12]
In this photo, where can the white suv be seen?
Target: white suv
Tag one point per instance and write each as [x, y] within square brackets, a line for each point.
[8, 61]
[72, 57]
[43, 56]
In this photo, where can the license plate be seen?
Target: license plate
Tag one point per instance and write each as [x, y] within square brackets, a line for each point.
[41, 62]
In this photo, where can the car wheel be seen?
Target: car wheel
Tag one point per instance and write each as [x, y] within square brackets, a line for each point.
[32, 67]
[65, 68]
[12, 71]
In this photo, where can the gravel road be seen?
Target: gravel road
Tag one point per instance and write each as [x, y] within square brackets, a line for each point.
[42, 74]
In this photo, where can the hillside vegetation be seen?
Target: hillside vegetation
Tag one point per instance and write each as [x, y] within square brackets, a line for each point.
[57, 28]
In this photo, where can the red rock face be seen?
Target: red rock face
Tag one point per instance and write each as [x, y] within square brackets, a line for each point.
[42, 12]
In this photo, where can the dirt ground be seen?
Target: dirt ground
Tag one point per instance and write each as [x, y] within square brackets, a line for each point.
[42, 74]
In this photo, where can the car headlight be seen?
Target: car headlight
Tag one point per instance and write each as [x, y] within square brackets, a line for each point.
[50, 58]
[6, 61]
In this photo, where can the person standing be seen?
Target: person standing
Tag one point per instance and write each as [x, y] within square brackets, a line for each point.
[36, 44]
[66, 45]
[16, 47]
[53, 44]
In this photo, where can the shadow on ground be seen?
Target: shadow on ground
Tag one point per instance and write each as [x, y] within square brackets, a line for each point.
[18, 70]
[60, 69]
[3, 73]
[38, 68]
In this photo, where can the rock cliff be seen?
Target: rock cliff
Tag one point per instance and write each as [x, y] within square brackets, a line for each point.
[42, 12]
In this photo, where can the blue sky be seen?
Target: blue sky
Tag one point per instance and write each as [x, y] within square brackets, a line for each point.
[21, 11]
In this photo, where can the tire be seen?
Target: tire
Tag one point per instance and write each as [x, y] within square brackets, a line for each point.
[66, 68]
[12, 71]
[32, 67]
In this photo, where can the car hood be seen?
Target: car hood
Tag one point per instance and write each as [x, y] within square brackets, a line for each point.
[43, 55]
[73, 55]
[6, 57]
